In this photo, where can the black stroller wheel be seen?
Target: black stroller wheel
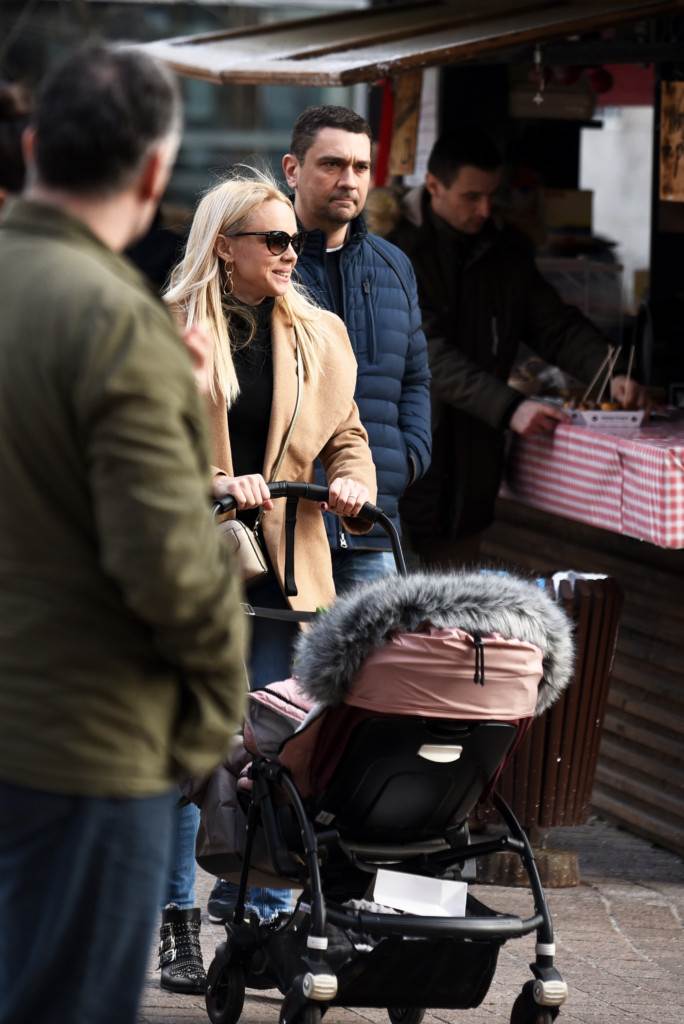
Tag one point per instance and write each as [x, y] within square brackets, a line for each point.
[526, 1011]
[225, 993]
[406, 1014]
[309, 1014]
[303, 1012]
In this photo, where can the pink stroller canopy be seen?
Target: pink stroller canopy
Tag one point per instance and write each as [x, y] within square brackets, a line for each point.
[463, 646]
[432, 674]
[364, 636]
[428, 675]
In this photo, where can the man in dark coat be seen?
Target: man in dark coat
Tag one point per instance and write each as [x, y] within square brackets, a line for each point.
[370, 284]
[481, 296]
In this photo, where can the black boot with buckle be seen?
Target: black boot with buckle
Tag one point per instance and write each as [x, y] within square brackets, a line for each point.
[180, 954]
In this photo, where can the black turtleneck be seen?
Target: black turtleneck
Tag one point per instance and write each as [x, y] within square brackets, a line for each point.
[250, 414]
[332, 270]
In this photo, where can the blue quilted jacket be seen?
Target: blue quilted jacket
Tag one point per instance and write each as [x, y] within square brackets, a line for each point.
[381, 312]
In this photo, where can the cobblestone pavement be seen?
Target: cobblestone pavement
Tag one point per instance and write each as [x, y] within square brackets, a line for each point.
[619, 936]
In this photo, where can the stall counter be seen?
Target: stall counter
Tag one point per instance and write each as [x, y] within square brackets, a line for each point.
[629, 481]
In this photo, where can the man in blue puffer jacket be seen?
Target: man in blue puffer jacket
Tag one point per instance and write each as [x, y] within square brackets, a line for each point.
[370, 284]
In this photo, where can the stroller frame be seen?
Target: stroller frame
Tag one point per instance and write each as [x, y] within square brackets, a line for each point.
[244, 957]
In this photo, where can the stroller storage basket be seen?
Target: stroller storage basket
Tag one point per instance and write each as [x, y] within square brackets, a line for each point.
[392, 970]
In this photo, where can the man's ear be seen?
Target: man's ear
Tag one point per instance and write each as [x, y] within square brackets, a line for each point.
[432, 184]
[291, 169]
[154, 176]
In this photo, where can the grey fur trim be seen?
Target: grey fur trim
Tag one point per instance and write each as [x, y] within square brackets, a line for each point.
[330, 653]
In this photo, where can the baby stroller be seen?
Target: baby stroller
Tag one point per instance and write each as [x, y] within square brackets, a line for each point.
[409, 694]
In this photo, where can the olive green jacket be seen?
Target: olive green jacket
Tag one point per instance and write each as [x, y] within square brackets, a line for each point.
[121, 637]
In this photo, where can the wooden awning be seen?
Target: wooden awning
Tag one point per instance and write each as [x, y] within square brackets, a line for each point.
[367, 45]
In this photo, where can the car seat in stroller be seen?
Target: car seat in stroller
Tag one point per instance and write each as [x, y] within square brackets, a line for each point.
[409, 694]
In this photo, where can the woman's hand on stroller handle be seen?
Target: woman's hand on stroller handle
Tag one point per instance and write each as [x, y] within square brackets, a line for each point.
[226, 502]
[250, 491]
[346, 497]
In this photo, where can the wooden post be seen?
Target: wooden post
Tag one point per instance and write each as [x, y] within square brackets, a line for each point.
[672, 141]
[382, 156]
[407, 89]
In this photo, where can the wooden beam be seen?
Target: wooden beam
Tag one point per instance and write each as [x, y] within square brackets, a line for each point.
[344, 49]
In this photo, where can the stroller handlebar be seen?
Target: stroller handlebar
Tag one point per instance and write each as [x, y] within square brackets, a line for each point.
[309, 492]
[314, 492]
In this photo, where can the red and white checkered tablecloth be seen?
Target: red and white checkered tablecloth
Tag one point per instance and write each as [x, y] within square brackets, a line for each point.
[628, 481]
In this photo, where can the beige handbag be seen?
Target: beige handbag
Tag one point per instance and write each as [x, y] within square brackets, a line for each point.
[245, 548]
[244, 542]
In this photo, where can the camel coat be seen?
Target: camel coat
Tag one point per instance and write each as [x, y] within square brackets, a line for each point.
[327, 427]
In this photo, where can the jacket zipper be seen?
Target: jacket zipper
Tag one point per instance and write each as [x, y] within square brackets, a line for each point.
[343, 292]
[479, 660]
[370, 318]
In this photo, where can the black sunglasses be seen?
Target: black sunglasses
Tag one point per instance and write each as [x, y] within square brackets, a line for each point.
[277, 241]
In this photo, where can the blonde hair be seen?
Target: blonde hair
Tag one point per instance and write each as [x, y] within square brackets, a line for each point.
[195, 287]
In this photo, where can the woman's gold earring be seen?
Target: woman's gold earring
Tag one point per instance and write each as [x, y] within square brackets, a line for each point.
[228, 279]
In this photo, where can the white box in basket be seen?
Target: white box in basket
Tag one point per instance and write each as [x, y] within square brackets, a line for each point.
[415, 894]
[605, 418]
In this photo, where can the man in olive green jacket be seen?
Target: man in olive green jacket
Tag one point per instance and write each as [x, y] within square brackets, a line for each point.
[121, 639]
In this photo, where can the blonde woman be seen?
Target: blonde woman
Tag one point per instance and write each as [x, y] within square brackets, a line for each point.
[281, 379]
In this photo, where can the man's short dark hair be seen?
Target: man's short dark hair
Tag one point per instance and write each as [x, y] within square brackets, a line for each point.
[469, 147]
[313, 119]
[97, 116]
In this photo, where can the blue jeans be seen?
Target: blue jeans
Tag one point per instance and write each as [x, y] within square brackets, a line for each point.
[351, 567]
[270, 660]
[180, 883]
[270, 652]
[267, 903]
[80, 883]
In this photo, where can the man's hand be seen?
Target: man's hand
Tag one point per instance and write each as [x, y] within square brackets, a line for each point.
[629, 393]
[198, 344]
[346, 497]
[249, 491]
[536, 418]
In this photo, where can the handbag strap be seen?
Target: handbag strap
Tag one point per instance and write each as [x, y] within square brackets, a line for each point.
[290, 585]
[295, 415]
[288, 436]
[286, 615]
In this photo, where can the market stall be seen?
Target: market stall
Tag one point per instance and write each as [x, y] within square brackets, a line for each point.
[578, 501]
[605, 501]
